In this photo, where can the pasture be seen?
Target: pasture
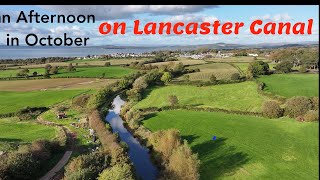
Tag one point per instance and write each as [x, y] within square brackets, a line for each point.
[246, 147]
[13, 72]
[239, 96]
[186, 62]
[222, 71]
[289, 85]
[55, 83]
[109, 72]
[14, 101]
[232, 59]
[14, 131]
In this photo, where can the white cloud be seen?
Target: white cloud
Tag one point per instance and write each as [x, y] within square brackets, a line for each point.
[109, 12]
[276, 17]
[192, 18]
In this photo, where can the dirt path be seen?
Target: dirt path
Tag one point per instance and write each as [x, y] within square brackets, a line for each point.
[56, 170]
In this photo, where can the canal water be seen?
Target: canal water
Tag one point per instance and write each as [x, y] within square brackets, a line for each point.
[139, 155]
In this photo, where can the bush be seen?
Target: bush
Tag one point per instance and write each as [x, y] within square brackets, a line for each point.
[173, 100]
[284, 67]
[166, 77]
[303, 69]
[235, 76]
[315, 103]
[81, 101]
[297, 106]
[261, 86]
[271, 109]
[213, 78]
[86, 166]
[164, 142]
[311, 115]
[257, 68]
[107, 64]
[117, 172]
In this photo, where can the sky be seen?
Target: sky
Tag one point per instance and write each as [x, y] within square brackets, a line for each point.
[163, 13]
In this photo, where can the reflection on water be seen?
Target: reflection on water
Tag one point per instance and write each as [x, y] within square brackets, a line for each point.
[138, 154]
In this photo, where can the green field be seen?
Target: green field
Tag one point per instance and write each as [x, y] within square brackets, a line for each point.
[240, 96]
[110, 72]
[289, 85]
[244, 66]
[247, 147]
[14, 101]
[220, 70]
[13, 131]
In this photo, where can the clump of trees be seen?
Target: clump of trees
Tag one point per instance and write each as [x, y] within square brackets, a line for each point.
[284, 67]
[303, 108]
[25, 162]
[23, 72]
[117, 172]
[272, 109]
[107, 64]
[177, 158]
[257, 68]
[166, 77]
[71, 68]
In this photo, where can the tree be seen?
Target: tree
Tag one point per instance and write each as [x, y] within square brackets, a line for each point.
[35, 74]
[213, 78]
[271, 109]
[117, 172]
[140, 83]
[23, 72]
[183, 164]
[47, 68]
[166, 77]
[107, 64]
[54, 70]
[173, 100]
[71, 68]
[103, 75]
[284, 67]
[258, 68]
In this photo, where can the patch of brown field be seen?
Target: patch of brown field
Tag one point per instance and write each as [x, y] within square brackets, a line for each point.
[56, 83]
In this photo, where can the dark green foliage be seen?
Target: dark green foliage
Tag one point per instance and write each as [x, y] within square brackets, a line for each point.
[284, 67]
[258, 68]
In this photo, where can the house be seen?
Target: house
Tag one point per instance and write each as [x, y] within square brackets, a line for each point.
[253, 55]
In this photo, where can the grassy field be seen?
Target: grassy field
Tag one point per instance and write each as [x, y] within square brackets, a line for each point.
[93, 72]
[239, 96]
[73, 116]
[183, 61]
[236, 59]
[244, 66]
[110, 72]
[14, 101]
[220, 70]
[289, 85]
[246, 147]
[13, 131]
[56, 83]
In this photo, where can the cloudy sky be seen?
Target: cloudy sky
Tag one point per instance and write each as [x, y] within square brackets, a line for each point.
[162, 13]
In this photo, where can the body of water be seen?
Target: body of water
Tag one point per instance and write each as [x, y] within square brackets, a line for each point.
[139, 155]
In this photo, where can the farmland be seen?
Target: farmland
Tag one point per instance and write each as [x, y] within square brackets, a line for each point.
[247, 147]
[14, 101]
[238, 59]
[222, 71]
[239, 96]
[289, 85]
[55, 83]
[13, 131]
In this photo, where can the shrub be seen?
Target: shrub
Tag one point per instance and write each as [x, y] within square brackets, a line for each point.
[81, 101]
[303, 69]
[166, 77]
[261, 86]
[183, 164]
[213, 78]
[86, 166]
[173, 100]
[258, 68]
[271, 109]
[284, 67]
[297, 106]
[235, 76]
[117, 172]
[140, 83]
[315, 103]
[107, 64]
[311, 115]
[164, 142]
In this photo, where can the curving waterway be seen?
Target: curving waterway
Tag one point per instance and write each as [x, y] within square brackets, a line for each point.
[139, 155]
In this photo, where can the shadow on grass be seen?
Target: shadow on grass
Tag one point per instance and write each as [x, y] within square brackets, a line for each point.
[218, 159]
[190, 138]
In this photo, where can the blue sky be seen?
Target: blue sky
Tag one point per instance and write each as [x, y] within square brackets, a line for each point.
[162, 13]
